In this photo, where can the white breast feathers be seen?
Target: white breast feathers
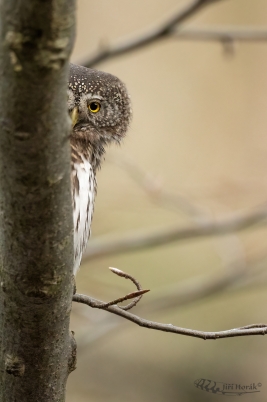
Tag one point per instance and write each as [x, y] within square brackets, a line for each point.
[83, 190]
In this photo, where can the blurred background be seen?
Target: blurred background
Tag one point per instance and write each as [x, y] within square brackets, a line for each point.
[196, 150]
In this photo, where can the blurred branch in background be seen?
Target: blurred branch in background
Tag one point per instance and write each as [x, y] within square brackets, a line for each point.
[153, 187]
[172, 29]
[235, 277]
[229, 248]
[227, 36]
[222, 34]
[137, 240]
[161, 31]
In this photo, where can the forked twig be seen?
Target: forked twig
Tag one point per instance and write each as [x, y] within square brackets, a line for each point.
[137, 296]
[252, 329]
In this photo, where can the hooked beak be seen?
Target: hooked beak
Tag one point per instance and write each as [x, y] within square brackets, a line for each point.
[74, 116]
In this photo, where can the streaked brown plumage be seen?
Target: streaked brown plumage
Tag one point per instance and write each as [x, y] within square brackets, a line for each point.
[100, 109]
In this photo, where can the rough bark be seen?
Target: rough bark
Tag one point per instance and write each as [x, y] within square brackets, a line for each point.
[36, 348]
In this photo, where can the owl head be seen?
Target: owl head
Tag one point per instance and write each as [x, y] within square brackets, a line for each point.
[99, 106]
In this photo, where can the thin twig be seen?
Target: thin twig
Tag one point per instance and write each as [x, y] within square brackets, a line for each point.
[252, 329]
[132, 295]
[137, 295]
[137, 240]
[159, 32]
[124, 275]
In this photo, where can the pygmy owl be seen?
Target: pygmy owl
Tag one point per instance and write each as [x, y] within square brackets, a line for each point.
[100, 110]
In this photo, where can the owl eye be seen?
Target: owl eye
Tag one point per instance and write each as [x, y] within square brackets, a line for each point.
[94, 107]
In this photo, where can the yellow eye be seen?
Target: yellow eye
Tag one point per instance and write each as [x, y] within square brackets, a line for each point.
[94, 107]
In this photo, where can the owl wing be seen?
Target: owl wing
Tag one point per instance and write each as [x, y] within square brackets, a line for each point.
[83, 192]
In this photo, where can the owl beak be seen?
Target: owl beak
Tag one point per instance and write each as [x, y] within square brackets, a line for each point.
[74, 116]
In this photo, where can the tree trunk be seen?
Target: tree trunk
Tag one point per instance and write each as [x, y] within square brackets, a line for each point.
[36, 353]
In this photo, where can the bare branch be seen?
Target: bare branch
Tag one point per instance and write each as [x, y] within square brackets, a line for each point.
[233, 278]
[159, 32]
[221, 34]
[252, 329]
[138, 240]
